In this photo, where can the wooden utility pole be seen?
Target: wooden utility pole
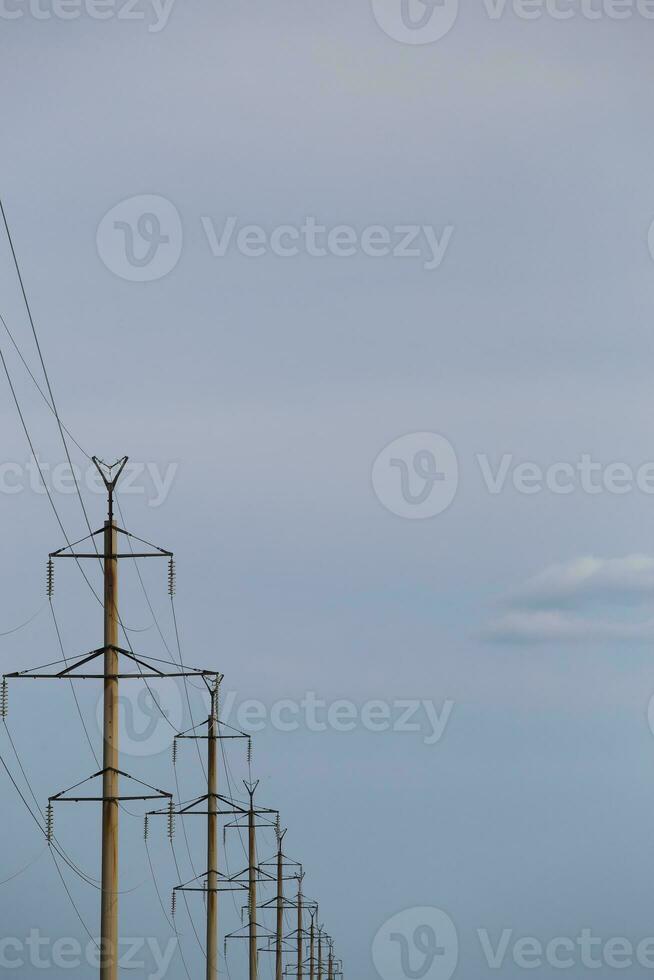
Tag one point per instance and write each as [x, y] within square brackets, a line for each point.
[110, 777]
[211, 882]
[212, 842]
[279, 968]
[252, 879]
[300, 949]
[312, 947]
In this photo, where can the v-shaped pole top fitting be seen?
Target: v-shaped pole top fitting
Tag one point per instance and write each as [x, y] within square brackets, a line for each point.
[110, 476]
[251, 788]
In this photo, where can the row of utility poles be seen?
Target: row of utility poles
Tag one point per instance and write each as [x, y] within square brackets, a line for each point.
[308, 944]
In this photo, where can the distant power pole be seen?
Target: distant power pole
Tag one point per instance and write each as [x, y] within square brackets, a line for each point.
[253, 874]
[212, 841]
[300, 926]
[278, 942]
[279, 939]
[312, 947]
[252, 879]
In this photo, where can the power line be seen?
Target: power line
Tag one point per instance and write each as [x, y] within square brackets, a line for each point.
[72, 686]
[43, 480]
[45, 372]
[52, 852]
[38, 386]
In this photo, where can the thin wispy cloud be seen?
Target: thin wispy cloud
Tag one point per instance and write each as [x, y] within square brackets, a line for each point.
[585, 599]
[571, 584]
[544, 627]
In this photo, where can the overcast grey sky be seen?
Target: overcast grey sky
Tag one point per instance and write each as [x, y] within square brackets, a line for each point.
[512, 159]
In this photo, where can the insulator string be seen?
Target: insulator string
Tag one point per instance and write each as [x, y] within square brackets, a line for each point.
[171, 819]
[49, 823]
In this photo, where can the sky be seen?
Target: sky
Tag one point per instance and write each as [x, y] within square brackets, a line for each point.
[364, 292]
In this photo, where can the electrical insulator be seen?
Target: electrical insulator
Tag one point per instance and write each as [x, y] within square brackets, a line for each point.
[249, 752]
[174, 752]
[49, 823]
[4, 699]
[278, 828]
[172, 577]
[173, 905]
[50, 578]
[171, 819]
[146, 828]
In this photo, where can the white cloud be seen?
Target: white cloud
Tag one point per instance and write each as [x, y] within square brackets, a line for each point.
[571, 584]
[547, 607]
[553, 626]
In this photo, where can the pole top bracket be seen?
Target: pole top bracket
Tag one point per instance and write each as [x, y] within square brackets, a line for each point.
[110, 478]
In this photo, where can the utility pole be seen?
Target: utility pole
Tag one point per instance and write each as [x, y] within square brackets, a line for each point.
[280, 907]
[320, 953]
[312, 947]
[330, 961]
[110, 778]
[212, 843]
[253, 874]
[212, 881]
[278, 942]
[300, 950]
[252, 881]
